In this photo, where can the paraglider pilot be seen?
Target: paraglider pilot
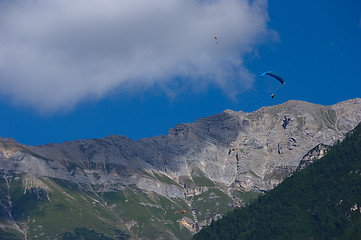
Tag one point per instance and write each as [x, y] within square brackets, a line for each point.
[272, 96]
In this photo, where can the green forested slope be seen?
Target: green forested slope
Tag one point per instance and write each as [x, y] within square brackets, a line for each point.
[320, 202]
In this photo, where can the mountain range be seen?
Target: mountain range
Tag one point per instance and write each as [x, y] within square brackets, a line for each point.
[117, 188]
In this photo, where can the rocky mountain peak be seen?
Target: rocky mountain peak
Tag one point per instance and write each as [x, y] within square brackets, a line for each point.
[220, 156]
[229, 147]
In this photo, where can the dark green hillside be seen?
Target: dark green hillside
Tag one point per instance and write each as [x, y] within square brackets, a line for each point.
[320, 202]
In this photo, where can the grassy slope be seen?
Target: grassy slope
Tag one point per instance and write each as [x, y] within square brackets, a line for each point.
[68, 208]
[130, 211]
[65, 210]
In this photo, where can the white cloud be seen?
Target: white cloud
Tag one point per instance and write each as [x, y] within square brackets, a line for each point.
[57, 53]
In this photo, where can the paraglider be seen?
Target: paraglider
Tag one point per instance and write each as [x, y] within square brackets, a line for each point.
[276, 76]
[184, 211]
[215, 37]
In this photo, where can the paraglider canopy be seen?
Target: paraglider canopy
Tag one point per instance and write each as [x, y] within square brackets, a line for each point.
[184, 211]
[274, 75]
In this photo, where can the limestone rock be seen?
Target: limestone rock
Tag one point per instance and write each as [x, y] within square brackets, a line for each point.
[246, 151]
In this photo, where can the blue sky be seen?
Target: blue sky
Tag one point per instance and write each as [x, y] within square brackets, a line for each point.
[137, 69]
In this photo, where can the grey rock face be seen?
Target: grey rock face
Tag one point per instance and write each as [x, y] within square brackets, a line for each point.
[246, 151]
[314, 154]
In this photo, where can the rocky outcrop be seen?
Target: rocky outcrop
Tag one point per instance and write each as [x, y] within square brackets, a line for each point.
[314, 154]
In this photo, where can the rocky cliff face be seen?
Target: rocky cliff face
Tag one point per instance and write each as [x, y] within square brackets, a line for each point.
[235, 151]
